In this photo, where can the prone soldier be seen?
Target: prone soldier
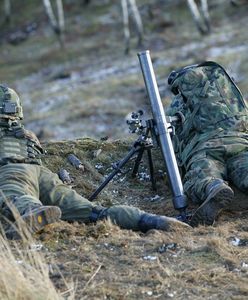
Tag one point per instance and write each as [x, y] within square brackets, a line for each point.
[211, 141]
[38, 194]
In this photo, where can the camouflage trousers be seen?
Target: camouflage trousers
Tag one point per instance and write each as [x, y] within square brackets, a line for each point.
[225, 162]
[29, 185]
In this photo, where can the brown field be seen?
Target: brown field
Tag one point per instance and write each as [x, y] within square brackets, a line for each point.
[87, 90]
[104, 262]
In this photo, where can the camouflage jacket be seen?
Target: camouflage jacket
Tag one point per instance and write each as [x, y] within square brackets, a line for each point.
[213, 109]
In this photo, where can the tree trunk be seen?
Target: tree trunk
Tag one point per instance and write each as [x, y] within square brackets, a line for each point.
[61, 21]
[58, 26]
[205, 13]
[7, 10]
[200, 21]
[138, 20]
[126, 25]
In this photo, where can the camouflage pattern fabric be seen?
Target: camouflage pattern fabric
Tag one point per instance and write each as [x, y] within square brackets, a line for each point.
[217, 163]
[29, 185]
[126, 217]
[25, 183]
[212, 142]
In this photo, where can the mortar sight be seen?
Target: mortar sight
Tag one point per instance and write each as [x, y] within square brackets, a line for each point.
[136, 123]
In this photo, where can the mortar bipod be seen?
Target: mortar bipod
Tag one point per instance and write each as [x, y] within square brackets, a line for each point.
[145, 142]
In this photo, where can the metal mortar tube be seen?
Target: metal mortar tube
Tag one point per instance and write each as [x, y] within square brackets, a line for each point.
[163, 131]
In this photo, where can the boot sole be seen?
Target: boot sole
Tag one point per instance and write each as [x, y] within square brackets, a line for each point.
[209, 210]
[36, 220]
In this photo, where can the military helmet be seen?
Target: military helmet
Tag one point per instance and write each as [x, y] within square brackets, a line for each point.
[175, 74]
[10, 104]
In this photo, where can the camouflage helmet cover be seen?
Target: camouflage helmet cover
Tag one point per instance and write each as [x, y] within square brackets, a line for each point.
[10, 104]
[175, 74]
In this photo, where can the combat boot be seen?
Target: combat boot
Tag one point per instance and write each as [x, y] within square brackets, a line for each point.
[36, 219]
[219, 196]
[151, 221]
[128, 217]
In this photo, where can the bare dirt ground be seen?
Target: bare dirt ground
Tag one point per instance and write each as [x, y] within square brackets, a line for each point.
[106, 262]
[87, 90]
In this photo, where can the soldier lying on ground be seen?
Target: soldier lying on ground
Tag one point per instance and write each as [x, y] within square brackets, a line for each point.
[211, 141]
[39, 195]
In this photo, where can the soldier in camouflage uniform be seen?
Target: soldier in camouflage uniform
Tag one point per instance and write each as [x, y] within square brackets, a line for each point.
[39, 195]
[211, 141]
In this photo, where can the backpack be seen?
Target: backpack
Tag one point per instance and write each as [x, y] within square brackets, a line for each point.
[211, 99]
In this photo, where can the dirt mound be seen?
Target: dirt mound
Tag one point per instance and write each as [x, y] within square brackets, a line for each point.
[110, 263]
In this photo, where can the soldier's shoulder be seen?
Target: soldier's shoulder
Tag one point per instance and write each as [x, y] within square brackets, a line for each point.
[31, 135]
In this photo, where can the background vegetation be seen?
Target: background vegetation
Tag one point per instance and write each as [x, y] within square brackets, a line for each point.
[87, 89]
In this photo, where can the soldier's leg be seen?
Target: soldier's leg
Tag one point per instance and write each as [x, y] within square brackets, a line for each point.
[201, 171]
[237, 168]
[77, 208]
[19, 187]
[54, 192]
[204, 183]
[20, 197]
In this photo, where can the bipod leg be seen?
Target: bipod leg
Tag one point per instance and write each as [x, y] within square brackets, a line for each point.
[115, 171]
[184, 216]
[137, 162]
[151, 168]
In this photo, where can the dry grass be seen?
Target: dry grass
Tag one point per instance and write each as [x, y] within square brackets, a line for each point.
[120, 264]
[103, 261]
[24, 273]
[106, 262]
